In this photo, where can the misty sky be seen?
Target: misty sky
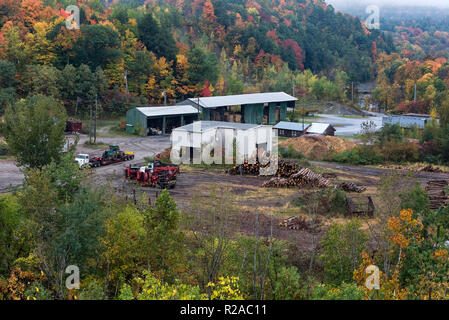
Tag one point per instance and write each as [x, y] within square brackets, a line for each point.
[434, 3]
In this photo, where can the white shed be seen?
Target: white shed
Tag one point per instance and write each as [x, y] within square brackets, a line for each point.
[210, 141]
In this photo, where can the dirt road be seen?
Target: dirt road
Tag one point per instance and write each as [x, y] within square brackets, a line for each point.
[12, 176]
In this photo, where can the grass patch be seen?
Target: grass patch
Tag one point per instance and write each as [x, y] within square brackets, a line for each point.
[97, 145]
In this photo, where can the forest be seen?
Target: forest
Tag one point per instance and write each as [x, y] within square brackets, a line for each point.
[128, 53]
[141, 247]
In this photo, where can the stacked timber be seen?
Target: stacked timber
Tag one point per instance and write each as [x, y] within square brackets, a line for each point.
[287, 168]
[350, 187]
[437, 193]
[301, 223]
[431, 168]
[284, 168]
[246, 169]
[303, 178]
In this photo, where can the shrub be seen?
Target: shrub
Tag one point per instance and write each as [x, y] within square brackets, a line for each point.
[337, 201]
[360, 155]
[400, 152]
[345, 291]
[287, 285]
[4, 149]
[290, 153]
[342, 248]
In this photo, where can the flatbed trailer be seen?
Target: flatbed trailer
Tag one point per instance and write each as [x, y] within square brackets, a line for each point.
[111, 156]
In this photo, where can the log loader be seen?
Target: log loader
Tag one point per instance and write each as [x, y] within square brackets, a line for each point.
[155, 174]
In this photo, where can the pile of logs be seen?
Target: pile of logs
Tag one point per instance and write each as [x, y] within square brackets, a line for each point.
[303, 178]
[350, 187]
[437, 194]
[431, 168]
[246, 169]
[301, 223]
[285, 168]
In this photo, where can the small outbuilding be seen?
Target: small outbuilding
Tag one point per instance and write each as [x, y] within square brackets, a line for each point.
[290, 129]
[324, 129]
[408, 120]
[159, 120]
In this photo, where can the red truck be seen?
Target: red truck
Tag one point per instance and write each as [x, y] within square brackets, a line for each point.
[73, 126]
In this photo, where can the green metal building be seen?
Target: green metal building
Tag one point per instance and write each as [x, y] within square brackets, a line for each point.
[149, 120]
[256, 108]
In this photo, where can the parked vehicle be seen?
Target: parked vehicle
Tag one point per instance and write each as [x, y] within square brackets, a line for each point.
[155, 174]
[73, 126]
[110, 156]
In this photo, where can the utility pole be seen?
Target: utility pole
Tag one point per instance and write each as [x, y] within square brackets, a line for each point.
[199, 117]
[164, 94]
[293, 94]
[303, 113]
[414, 95]
[352, 91]
[90, 123]
[126, 80]
[95, 126]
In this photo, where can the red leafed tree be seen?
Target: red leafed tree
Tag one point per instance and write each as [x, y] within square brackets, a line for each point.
[9, 9]
[290, 43]
[208, 11]
[272, 34]
[259, 60]
[206, 91]
[421, 107]
[31, 10]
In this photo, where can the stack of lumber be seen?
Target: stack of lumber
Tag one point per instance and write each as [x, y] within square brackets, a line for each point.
[437, 194]
[303, 178]
[301, 223]
[350, 187]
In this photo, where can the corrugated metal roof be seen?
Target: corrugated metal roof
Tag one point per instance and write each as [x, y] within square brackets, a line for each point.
[168, 111]
[295, 126]
[240, 99]
[318, 128]
[201, 126]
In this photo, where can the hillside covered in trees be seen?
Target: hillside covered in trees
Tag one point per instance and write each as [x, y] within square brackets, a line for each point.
[128, 52]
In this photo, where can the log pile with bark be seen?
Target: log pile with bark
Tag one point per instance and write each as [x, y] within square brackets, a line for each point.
[300, 223]
[350, 187]
[303, 178]
[285, 168]
[437, 193]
